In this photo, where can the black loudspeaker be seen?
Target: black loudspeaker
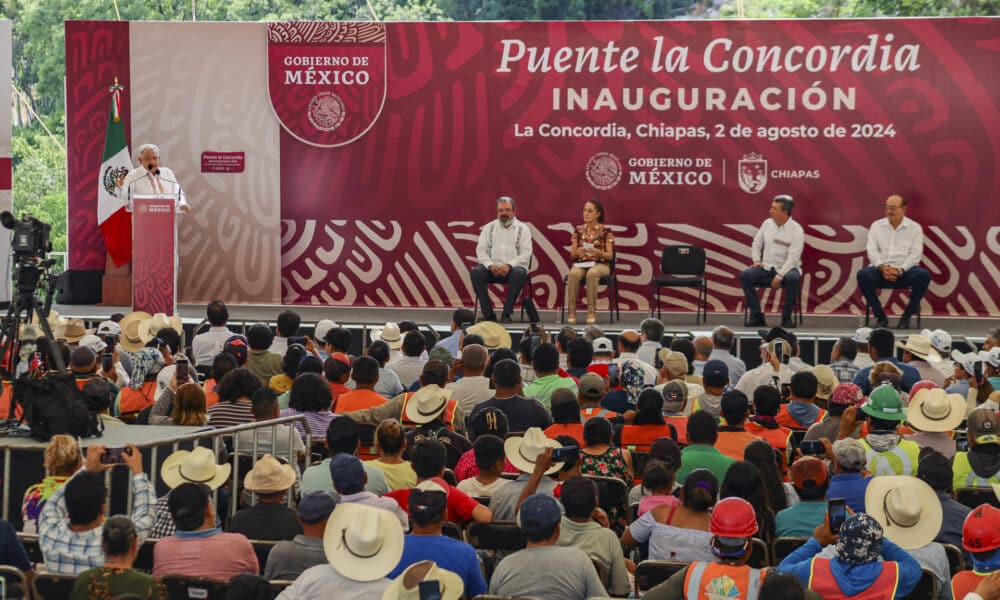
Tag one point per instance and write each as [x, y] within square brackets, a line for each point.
[79, 287]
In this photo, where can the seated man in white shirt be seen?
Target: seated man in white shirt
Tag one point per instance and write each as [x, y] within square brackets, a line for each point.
[205, 346]
[895, 248]
[777, 255]
[504, 256]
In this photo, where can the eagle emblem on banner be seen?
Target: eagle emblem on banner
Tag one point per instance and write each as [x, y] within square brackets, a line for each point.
[327, 81]
[752, 173]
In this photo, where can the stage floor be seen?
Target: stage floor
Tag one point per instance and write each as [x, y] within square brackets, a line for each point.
[814, 325]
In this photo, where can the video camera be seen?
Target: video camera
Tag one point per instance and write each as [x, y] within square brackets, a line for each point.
[31, 236]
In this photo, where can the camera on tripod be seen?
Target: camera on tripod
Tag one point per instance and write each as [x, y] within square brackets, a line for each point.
[29, 245]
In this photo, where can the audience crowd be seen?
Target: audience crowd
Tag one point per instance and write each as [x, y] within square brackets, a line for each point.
[567, 468]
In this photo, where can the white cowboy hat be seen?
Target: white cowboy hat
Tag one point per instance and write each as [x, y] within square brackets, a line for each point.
[151, 326]
[407, 585]
[494, 334]
[907, 509]
[269, 475]
[72, 330]
[131, 340]
[362, 543]
[920, 346]
[427, 403]
[935, 410]
[196, 466]
[388, 334]
[523, 451]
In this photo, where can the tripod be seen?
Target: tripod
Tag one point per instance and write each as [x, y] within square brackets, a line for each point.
[29, 277]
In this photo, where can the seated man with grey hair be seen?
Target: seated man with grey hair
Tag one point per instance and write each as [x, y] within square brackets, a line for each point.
[150, 178]
[652, 338]
[723, 341]
[503, 254]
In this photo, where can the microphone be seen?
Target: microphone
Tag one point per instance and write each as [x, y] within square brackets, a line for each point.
[156, 173]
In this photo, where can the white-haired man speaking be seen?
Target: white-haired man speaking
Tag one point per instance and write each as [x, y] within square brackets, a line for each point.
[150, 178]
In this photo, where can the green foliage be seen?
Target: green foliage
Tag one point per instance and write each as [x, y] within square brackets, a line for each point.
[40, 181]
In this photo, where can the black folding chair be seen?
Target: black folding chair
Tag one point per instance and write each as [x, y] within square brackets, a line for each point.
[784, 546]
[796, 306]
[974, 496]
[15, 582]
[760, 556]
[956, 562]
[610, 281]
[526, 292]
[452, 530]
[651, 573]
[30, 543]
[180, 587]
[888, 285]
[927, 587]
[682, 267]
[498, 535]
[52, 586]
[262, 548]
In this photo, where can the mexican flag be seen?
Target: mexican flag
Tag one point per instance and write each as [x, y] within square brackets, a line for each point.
[114, 221]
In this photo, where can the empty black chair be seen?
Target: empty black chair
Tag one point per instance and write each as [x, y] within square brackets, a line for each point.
[682, 267]
[927, 587]
[784, 546]
[974, 496]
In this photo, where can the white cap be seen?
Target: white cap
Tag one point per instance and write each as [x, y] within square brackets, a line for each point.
[94, 343]
[862, 334]
[603, 344]
[109, 328]
[940, 339]
[322, 327]
[991, 356]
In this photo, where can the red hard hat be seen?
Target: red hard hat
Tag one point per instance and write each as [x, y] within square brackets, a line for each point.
[923, 384]
[981, 530]
[733, 518]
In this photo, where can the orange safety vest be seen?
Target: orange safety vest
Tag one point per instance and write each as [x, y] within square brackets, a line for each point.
[638, 438]
[596, 411]
[211, 396]
[574, 430]
[132, 400]
[448, 417]
[964, 582]
[706, 581]
[778, 438]
[5, 397]
[786, 419]
[680, 423]
[733, 443]
[822, 582]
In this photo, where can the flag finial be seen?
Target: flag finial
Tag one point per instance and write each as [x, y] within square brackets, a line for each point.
[116, 92]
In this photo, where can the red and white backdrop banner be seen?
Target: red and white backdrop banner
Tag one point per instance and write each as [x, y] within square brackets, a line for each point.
[374, 152]
[6, 164]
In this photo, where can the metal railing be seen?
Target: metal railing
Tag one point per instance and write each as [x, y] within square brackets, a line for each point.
[217, 436]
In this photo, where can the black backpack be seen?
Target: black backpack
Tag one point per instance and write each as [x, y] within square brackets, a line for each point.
[54, 405]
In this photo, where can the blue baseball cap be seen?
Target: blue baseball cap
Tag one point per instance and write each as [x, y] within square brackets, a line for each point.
[316, 507]
[347, 473]
[539, 513]
[715, 373]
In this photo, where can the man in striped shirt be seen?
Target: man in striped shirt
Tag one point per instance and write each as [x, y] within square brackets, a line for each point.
[73, 545]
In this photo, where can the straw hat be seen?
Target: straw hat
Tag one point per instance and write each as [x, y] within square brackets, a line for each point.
[523, 451]
[196, 466]
[494, 334]
[389, 334]
[131, 340]
[427, 403]
[151, 326]
[907, 509]
[269, 476]
[362, 543]
[920, 346]
[407, 585]
[72, 330]
[935, 410]
[53, 320]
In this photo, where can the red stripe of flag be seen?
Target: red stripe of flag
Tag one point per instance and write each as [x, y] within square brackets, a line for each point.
[6, 173]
